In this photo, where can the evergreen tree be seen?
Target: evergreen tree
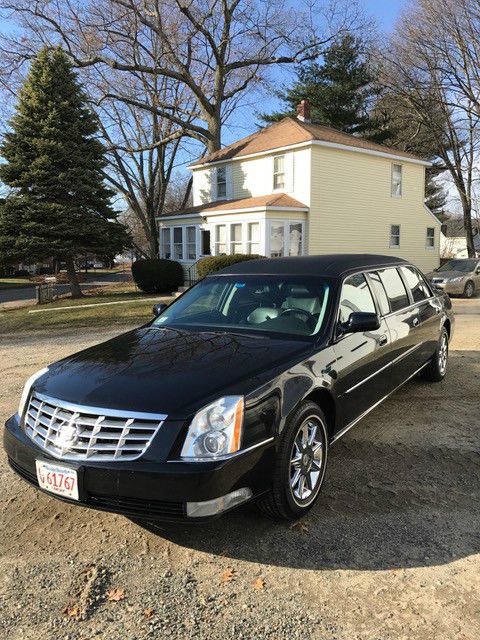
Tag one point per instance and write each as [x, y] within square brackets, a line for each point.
[58, 205]
[340, 90]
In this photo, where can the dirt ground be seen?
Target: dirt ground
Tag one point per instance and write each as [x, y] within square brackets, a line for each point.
[390, 551]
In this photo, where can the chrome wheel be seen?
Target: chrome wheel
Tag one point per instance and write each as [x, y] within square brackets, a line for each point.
[469, 290]
[443, 354]
[307, 461]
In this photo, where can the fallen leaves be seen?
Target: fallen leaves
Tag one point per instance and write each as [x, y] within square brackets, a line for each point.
[115, 595]
[228, 575]
[301, 526]
[73, 611]
[148, 613]
[259, 584]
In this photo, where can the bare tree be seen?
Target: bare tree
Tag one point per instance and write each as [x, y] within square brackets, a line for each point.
[429, 69]
[215, 49]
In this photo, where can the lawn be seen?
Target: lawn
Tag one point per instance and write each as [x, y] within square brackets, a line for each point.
[137, 309]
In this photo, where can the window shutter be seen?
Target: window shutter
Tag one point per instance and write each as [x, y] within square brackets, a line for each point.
[213, 184]
[229, 178]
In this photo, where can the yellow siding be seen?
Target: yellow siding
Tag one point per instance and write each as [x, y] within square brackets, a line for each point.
[351, 208]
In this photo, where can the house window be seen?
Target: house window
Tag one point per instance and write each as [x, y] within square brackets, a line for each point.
[253, 238]
[395, 236]
[191, 243]
[166, 236]
[277, 240]
[221, 183]
[236, 238]
[178, 243]
[295, 239]
[430, 238]
[220, 240]
[396, 180]
[278, 172]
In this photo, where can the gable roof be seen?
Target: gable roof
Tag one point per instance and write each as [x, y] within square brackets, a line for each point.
[290, 131]
[277, 200]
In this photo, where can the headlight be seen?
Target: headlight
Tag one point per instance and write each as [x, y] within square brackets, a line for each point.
[26, 390]
[215, 430]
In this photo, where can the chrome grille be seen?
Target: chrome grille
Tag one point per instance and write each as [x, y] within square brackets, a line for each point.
[74, 432]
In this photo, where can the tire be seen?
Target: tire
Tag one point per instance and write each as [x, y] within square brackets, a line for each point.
[436, 369]
[290, 500]
[469, 290]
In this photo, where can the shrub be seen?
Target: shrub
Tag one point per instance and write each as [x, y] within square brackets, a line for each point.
[156, 275]
[215, 263]
[21, 273]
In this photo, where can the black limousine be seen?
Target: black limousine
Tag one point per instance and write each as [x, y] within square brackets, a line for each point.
[234, 392]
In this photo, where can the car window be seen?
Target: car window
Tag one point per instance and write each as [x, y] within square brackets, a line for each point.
[395, 289]
[379, 293]
[465, 266]
[416, 284]
[355, 296]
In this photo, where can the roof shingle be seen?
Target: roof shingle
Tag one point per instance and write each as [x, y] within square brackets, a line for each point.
[290, 131]
[272, 200]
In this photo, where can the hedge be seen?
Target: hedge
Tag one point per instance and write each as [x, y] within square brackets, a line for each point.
[215, 263]
[156, 275]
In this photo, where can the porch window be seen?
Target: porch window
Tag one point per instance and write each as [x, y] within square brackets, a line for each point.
[220, 239]
[285, 238]
[178, 243]
[295, 239]
[278, 172]
[277, 240]
[221, 183]
[191, 243]
[236, 243]
[166, 237]
[253, 238]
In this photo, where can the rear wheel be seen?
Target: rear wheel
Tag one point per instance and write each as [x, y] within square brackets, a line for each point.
[300, 466]
[469, 290]
[436, 369]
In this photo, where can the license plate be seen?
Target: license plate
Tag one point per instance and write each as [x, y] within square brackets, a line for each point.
[57, 479]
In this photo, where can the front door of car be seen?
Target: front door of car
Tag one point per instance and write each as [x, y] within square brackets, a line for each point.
[363, 360]
[476, 277]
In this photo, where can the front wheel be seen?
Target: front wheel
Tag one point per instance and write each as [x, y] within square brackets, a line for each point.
[436, 369]
[300, 466]
[469, 290]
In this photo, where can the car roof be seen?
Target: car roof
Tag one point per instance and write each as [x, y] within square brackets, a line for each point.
[333, 265]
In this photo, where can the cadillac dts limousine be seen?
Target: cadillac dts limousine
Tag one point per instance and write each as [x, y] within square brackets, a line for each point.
[233, 393]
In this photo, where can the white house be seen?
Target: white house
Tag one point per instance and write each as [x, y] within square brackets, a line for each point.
[298, 188]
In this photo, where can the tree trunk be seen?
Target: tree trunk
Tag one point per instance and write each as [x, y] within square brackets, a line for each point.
[467, 225]
[73, 278]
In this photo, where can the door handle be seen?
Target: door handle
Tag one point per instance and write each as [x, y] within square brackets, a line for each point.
[416, 322]
[382, 340]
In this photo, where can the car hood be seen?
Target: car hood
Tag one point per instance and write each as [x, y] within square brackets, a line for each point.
[161, 370]
[446, 275]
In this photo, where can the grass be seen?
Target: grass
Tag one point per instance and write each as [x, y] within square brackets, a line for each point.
[134, 311]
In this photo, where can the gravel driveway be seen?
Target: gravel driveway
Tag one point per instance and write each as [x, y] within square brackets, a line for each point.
[391, 550]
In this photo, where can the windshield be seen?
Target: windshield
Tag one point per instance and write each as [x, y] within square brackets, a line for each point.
[465, 266]
[294, 306]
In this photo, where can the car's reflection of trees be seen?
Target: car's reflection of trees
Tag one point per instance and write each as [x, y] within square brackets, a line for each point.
[158, 349]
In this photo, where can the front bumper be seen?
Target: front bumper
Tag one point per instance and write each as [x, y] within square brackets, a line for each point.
[145, 489]
[454, 288]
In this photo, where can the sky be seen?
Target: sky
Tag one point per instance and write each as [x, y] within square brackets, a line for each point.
[385, 11]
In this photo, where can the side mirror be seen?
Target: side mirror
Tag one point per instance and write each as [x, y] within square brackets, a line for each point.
[360, 321]
[159, 308]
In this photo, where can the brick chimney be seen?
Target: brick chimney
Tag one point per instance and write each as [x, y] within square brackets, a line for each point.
[303, 111]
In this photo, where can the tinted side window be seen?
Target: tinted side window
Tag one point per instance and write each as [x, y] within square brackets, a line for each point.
[395, 289]
[415, 282]
[379, 293]
[355, 296]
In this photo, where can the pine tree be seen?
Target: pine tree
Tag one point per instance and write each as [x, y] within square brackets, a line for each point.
[340, 90]
[58, 205]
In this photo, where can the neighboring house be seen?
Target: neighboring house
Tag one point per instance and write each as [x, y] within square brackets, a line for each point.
[298, 188]
[453, 243]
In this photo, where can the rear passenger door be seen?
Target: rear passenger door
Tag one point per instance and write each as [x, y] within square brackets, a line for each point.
[363, 360]
[426, 331]
[402, 321]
